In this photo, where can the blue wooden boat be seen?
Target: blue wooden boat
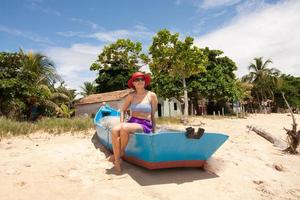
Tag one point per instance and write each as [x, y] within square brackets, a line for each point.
[164, 149]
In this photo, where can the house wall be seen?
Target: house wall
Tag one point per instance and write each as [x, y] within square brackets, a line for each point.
[168, 109]
[92, 109]
[86, 109]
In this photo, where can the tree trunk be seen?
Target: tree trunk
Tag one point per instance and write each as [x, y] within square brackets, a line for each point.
[267, 136]
[259, 102]
[186, 103]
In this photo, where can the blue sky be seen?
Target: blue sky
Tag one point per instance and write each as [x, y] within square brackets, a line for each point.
[73, 33]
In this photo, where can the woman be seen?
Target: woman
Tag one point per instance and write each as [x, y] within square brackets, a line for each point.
[142, 104]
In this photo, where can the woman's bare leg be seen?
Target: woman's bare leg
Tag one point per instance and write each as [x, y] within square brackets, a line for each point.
[117, 162]
[125, 131]
[116, 147]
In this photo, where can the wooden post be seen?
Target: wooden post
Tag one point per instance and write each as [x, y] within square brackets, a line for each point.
[223, 112]
[219, 113]
[169, 102]
[243, 114]
[214, 114]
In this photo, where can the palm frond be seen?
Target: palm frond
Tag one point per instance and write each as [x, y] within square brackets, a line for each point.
[58, 95]
[52, 105]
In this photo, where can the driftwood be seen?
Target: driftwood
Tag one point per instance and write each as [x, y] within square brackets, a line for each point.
[267, 136]
[293, 137]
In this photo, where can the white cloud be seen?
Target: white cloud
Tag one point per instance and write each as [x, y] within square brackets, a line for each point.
[37, 5]
[208, 4]
[140, 32]
[73, 63]
[271, 32]
[25, 34]
[91, 24]
[246, 7]
[110, 36]
[69, 33]
[216, 3]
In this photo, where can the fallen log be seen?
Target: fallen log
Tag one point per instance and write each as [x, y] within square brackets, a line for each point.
[276, 142]
[293, 136]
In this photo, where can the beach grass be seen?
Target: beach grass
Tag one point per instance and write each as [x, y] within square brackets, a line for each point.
[50, 125]
[168, 120]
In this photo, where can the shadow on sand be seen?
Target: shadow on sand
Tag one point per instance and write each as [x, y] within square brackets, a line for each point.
[95, 140]
[146, 177]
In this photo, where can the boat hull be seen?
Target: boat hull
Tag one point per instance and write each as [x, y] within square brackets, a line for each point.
[167, 149]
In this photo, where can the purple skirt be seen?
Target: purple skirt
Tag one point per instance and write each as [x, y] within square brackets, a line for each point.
[146, 124]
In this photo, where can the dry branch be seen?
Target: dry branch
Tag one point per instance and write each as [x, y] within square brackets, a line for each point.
[293, 136]
[267, 136]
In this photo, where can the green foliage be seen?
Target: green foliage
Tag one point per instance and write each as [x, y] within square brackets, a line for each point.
[15, 87]
[88, 89]
[116, 63]
[39, 65]
[264, 79]
[290, 86]
[66, 112]
[175, 57]
[219, 81]
[70, 93]
[27, 82]
[167, 86]
[178, 59]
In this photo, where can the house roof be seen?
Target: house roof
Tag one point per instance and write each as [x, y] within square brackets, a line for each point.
[105, 97]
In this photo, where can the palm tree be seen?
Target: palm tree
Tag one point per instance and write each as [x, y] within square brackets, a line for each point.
[88, 89]
[41, 66]
[45, 77]
[263, 79]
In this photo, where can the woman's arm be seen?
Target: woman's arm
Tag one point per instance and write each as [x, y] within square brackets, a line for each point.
[154, 103]
[125, 106]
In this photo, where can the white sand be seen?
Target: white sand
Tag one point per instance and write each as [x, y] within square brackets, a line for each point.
[73, 167]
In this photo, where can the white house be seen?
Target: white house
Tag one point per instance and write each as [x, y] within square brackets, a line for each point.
[168, 108]
[89, 105]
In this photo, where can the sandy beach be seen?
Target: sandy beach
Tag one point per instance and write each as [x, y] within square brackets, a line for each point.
[74, 166]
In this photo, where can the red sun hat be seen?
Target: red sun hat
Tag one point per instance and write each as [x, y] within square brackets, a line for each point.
[139, 74]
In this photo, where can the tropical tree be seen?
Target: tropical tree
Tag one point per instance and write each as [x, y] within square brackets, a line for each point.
[70, 93]
[88, 88]
[290, 86]
[14, 87]
[219, 81]
[45, 77]
[116, 63]
[218, 84]
[66, 112]
[179, 59]
[264, 80]
[42, 68]
[27, 81]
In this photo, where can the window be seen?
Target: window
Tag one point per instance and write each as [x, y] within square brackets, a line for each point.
[175, 106]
